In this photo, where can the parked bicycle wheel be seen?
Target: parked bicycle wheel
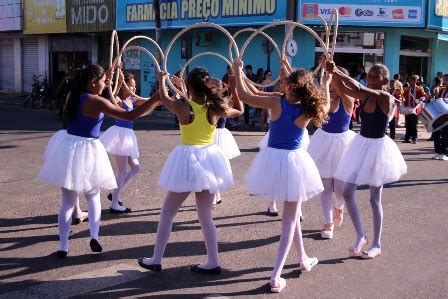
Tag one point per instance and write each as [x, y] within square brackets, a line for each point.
[38, 101]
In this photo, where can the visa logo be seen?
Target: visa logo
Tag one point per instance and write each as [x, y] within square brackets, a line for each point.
[412, 14]
[325, 11]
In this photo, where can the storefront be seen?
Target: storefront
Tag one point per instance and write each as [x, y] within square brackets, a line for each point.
[376, 31]
[137, 17]
[438, 22]
[10, 24]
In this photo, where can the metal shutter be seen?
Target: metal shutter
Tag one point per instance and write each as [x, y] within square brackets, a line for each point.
[30, 66]
[7, 64]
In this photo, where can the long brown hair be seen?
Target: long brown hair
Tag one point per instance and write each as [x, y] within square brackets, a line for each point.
[200, 82]
[311, 98]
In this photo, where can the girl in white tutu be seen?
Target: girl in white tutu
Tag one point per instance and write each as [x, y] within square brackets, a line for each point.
[75, 160]
[197, 165]
[223, 137]
[284, 171]
[371, 158]
[272, 208]
[120, 141]
[326, 148]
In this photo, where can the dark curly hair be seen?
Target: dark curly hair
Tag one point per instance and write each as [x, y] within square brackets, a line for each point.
[309, 96]
[200, 81]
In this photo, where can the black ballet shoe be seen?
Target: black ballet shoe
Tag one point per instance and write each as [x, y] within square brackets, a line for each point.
[272, 213]
[84, 217]
[153, 267]
[301, 218]
[197, 269]
[95, 246]
[61, 254]
[109, 197]
[113, 211]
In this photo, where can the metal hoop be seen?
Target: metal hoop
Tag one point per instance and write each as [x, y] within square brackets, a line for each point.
[198, 25]
[113, 41]
[128, 48]
[280, 55]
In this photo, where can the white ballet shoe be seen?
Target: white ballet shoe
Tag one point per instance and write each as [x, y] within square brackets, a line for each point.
[313, 261]
[277, 285]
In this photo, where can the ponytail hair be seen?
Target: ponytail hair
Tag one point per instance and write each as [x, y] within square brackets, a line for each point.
[82, 78]
[200, 82]
[312, 98]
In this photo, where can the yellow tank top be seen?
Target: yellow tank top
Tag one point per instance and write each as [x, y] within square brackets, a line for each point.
[199, 131]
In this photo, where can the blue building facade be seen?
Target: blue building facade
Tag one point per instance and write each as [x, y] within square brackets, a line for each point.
[406, 35]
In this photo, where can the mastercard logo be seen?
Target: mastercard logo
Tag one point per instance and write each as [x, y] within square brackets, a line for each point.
[345, 11]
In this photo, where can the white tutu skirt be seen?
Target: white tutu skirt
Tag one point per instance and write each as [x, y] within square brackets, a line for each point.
[193, 168]
[371, 161]
[77, 163]
[120, 141]
[326, 149]
[224, 139]
[283, 175]
[305, 140]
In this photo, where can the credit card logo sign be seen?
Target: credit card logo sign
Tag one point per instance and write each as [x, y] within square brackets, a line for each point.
[412, 14]
[398, 14]
[345, 11]
[310, 10]
[363, 12]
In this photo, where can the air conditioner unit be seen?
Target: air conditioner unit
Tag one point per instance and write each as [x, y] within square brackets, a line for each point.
[368, 39]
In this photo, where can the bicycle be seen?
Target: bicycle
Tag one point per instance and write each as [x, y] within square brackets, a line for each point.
[45, 96]
[34, 92]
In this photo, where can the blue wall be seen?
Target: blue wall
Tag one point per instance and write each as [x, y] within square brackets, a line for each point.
[253, 55]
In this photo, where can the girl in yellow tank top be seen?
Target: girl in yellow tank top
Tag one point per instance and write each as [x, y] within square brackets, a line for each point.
[197, 165]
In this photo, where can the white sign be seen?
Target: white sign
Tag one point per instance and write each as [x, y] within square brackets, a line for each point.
[365, 13]
[291, 48]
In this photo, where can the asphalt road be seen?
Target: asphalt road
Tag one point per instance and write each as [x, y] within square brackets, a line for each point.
[414, 262]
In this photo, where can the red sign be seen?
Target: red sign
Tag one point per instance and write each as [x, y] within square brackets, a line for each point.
[398, 14]
[310, 10]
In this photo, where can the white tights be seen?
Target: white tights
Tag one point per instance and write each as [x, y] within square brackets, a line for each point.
[377, 213]
[123, 176]
[326, 201]
[291, 232]
[173, 201]
[69, 199]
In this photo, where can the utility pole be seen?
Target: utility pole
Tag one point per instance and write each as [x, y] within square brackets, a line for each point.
[158, 25]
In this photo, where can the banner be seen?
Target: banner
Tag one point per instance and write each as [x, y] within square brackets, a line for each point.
[10, 16]
[386, 13]
[139, 14]
[44, 16]
[90, 16]
[438, 15]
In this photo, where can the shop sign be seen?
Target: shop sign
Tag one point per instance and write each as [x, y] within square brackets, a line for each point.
[438, 15]
[10, 16]
[139, 14]
[387, 13]
[90, 15]
[44, 16]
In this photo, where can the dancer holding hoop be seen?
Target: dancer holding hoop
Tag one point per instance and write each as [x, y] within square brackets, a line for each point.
[284, 171]
[197, 165]
[326, 148]
[120, 141]
[76, 160]
[372, 158]
[284, 72]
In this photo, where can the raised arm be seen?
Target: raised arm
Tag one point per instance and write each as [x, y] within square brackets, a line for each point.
[350, 86]
[237, 108]
[258, 92]
[175, 106]
[266, 102]
[99, 104]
